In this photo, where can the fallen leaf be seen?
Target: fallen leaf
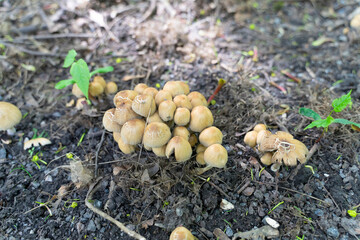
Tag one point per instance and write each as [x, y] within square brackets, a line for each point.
[36, 142]
[131, 77]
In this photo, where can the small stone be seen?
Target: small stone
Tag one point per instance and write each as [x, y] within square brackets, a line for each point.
[355, 22]
[248, 191]
[97, 204]
[354, 169]
[179, 212]
[258, 194]
[48, 178]
[91, 226]
[319, 212]
[352, 226]
[226, 205]
[271, 222]
[347, 186]
[333, 232]
[116, 170]
[229, 231]
[35, 184]
[56, 114]
[2, 153]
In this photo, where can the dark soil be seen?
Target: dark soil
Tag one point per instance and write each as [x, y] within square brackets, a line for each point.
[198, 42]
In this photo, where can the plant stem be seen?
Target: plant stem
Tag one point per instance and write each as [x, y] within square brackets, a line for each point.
[221, 83]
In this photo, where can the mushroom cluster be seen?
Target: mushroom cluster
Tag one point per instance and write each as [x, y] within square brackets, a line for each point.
[96, 88]
[168, 121]
[279, 148]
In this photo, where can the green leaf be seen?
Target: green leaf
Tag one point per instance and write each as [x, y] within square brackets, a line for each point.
[102, 70]
[70, 58]
[64, 83]
[341, 103]
[321, 123]
[80, 73]
[352, 213]
[309, 113]
[346, 122]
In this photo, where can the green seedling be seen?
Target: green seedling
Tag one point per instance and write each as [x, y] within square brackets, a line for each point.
[227, 222]
[277, 205]
[80, 73]
[74, 204]
[81, 139]
[352, 213]
[338, 105]
[37, 159]
[23, 169]
[311, 168]
[261, 171]
[300, 238]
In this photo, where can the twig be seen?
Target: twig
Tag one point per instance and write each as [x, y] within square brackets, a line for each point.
[31, 52]
[97, 152]
[313, 149]
[106, 216]
[243, 187]
[111, 192]
[295, 79]
[55, 36]
[282, 89]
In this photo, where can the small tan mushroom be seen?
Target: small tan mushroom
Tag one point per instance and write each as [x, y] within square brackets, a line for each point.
[250, 138]
[181, 132]
[181, 147]
[200, 148]
[197, 99]
[150, 91]
[125, 148]
[201, 118]
[200, 158]
[156, 135]
[155, 118]
[76, 91]
[160, 151]
[181, 233]
[182, 116]
[116, 136]
[266, 158]
[261, 135]
[132, 131]
[259, 127]
[124, 112]
[175, 88]
[10, 115]
[166, 110]
[124, 95]
[109, 122]
[139, 88]
[96, 89]
[182, 101]
[185, 87]
[214, 156]
[210, 136]
[100, 80]
[161, 96]
[111, 88]
[193, 140]
[36, 142]
[144, 105]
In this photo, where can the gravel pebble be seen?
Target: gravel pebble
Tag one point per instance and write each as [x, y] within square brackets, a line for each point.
[248, 191]
[319, 212]
[229, 231]
[2, 153]
[91, 226]
[259, 195]
[333, 232]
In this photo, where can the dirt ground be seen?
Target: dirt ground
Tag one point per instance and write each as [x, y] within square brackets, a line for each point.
[199, 42]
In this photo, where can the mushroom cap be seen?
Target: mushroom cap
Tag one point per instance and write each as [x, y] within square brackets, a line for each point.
[182, 101]
[200, 158]
[250, 138]
[101, 80]
[76, 91]
[144, 105]
[266, 158]
[193, 140]
[200, 148]
[124, 112]
[181, 132]
[290, 152]
[160, 151]
[96, 89]
[176, 88]
[109, 121]
[261, 135]
[201, 118]
[111, 88]
[125, 148]
[270, 141]
[161, 96]
[210, 136]
[185, 87]
[166, 110]
[150, 91]
[116, 136]
[156, 135]
[132, 131]
[181, 147]
[216, 156]
[181, 233]
[124, 95]
[197, 99]
[182, 116]
[154, 118]
[139, 88]
[259, 127]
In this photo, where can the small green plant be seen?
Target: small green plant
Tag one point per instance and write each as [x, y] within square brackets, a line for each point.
[352, 212]
[338, 105]
[80, 73]
[37, 159]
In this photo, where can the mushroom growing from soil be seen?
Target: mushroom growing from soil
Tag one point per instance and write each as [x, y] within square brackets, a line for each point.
[250, 138]
[124, 95]
[109, 121]
[214, 156]
[139, 88]
[181, 132]
[197, 99]
[111, 88]
[181, 147]
[150, 91]
[182, 101]
[200, 118]
[124, 112]
[96, 89]
[76, 91]
[144, 105]
[182, 116]
[210, 136]
[156, 135]
[124, 147]
[259, 127]
[132, 131]
[161, 96]
[166, 110]
[100, 80]
[181, 233]
[10, 115]
[176, 88]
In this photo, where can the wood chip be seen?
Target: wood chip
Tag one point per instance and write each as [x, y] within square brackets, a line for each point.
[36, 142]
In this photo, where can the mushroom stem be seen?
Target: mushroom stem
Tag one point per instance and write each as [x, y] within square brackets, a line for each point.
[221, 83]
[200, 171]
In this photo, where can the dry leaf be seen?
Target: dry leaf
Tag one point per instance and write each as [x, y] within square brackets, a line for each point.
[131, 77]
[97, 17]
[36, 142]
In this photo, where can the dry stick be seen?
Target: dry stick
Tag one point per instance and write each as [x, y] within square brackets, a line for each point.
[31, 52]
[111, 193]
[106, 216]
[243, 187]
[55, 36]
[97, 152]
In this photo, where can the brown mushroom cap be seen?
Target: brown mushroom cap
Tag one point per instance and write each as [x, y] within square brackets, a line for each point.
[116, 136]
[181, 233]
[144, 105]
[197, 99]
[156, 135]
[95, 89]
[270, 141]
[111, 88]
[216, 156]
[182, 101]
[139, 88]
[109, 121]
[160, 151]
[125, 148]
[200, 148]
[100, 80]
[10, 115]
[250, 138]
[200, 158]
[210, 136]
[161, 96]
[76, 91]
[193, 140]
[132, 131]
[150, 91]
[155, 118]
[181, 132]
[259, 127]
[266, 158]
[181, 147]
[182, 116]
[261, 135]
[185, 87]
[201, 118]
[124, 112]
[166, 110]
[175, 88]
[124, 95]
